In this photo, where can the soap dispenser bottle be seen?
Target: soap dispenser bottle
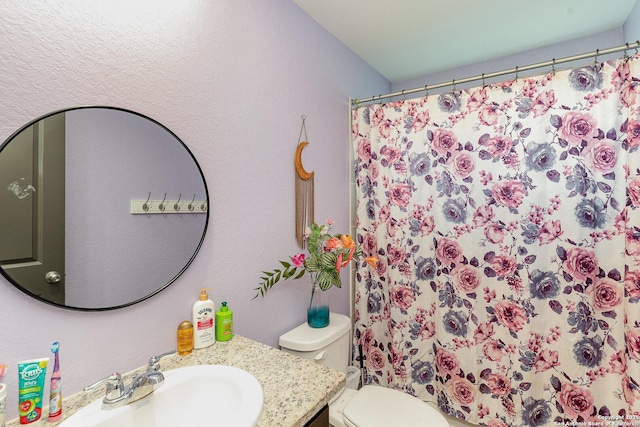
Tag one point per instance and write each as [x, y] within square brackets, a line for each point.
[203, 318]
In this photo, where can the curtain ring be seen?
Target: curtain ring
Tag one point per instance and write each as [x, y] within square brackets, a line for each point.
[483, 82]
[453, 82]
[553, 66]
[596, 65]
[426, 90]
[516, 73]
[145, 206]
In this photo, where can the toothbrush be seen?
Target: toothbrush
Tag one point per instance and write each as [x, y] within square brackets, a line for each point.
[55, 397]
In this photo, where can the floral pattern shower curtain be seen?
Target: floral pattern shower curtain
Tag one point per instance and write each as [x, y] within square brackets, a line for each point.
[507, 222]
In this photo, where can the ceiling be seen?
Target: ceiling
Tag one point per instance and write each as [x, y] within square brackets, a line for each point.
[403, 39]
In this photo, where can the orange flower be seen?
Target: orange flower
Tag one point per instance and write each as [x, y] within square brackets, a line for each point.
[372, 261]
[333, 243]
[347, 241]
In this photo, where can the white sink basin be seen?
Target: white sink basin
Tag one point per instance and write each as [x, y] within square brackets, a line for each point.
[193, 396]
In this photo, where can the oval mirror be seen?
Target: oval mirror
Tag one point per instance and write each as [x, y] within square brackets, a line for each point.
[101, 208]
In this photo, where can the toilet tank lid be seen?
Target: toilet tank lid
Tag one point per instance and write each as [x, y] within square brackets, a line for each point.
[306, 338]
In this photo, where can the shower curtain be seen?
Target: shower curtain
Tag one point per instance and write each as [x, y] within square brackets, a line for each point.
[507, 223]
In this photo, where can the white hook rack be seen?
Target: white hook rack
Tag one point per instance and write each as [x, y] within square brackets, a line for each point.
[164, 206]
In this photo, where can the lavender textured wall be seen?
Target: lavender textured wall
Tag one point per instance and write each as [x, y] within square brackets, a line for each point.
[231, 78]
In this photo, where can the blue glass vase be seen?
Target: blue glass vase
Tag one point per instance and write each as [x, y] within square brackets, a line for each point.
[318, 310]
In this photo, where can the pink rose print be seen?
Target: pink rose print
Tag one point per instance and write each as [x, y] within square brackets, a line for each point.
[482, 215]
[493, 350]
[606, 293]
[376, 359]
[543, 102]
[632, 284]
[370, 244]
[476, 99]
[504, 265]
[378, 116]
[618, 362]
[396, 255]
[391, 154]
[462, 164]
[630, 391]
[508, 193]
[400, 194]
[401, 296]
[364, 149]
[633, 133]
[632, 243]
[581, 264]
[496, 423]
[577, 127]
[601, 155]
[465, 278]
[633, 343]
[444, 141]
[510, 314]
[428, 330]
[546, 360]
[447, 362]
[488, 115]
[461, 390]
[497, 146]
[483, 332]
[449, 251]
[494, 233]
[549, 231]
[498, 384]
[420, 120]
[367, 339]
[629, 94]
[634, 190]
[575, 401]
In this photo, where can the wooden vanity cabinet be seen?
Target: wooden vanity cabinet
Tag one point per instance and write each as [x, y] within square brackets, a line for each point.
[321, 419]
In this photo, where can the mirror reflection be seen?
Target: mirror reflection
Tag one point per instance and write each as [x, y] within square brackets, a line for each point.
[74, 185]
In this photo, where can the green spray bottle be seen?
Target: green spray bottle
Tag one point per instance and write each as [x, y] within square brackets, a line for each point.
[224, 323]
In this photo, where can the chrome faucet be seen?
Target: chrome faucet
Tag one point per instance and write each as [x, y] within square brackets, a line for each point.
[118, 394]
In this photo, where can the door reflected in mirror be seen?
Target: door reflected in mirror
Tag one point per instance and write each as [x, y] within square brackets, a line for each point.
[68, 234]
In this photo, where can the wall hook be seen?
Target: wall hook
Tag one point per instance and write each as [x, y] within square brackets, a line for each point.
[161, 206]
[176, 205]
[203, 206]
[146, 204]
[190, 205]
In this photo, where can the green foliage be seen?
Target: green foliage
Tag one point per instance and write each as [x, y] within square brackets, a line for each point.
[327, 255]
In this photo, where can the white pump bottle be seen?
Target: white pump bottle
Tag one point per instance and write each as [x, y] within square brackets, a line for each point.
[203, 317]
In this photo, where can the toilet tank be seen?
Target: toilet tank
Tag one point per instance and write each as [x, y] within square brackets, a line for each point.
[328, 346]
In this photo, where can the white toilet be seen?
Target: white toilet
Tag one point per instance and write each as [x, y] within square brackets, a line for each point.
[372, 405]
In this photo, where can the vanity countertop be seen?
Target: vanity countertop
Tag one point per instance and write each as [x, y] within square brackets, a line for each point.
[294, 389]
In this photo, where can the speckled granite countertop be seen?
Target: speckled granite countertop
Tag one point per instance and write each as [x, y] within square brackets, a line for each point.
[295, 389]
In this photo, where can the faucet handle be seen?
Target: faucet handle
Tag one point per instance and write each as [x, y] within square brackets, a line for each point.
[153, 361]
[115, 386]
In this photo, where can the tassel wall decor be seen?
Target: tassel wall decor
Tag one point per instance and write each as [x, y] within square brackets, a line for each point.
[304, 190]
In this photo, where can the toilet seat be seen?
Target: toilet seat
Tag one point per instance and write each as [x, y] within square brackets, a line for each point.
[376, 406]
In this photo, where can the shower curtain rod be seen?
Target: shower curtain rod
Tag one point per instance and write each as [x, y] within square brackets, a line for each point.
[515, 70]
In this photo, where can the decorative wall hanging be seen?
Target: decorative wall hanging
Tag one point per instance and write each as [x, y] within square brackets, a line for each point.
[304, 189]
